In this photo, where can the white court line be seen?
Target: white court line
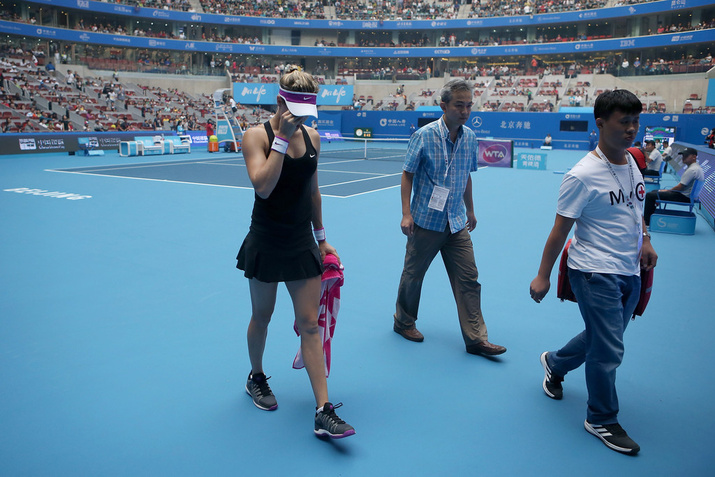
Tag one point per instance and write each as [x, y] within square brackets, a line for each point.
[319, 168]
[140, 166]
[172, 181]
[129, 167]
[231, 165]
[351, 172]
[361, 180]
[319, 162]
[217, 162]
[368, 192]
[340, 162]
[149, 179]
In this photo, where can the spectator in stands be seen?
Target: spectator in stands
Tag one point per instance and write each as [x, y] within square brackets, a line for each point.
[440, 157]
[710, 139]
[604, 263]
[281, 158]
[653, 159]
[158, 123]
[682, 190]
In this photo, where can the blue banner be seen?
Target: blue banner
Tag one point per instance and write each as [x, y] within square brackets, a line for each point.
[531, 160]
[255, 93]
[330, 120]
[265, 93]
[617, 44]
[526, 130]
[335, 95]
[198, 137]
[301, 23]
[710, 98]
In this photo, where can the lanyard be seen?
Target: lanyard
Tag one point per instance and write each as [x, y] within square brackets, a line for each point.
[629, 201]
[448, 159]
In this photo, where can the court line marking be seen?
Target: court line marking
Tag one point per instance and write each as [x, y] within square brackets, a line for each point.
[369, 191]
[95, 174]
[199, 162]
[340, 162]
[99, 171]
[319, 169]
[381, 174]
[217, 164]
[319, 163]
[128, 167]
[361, 180]
[223, 185]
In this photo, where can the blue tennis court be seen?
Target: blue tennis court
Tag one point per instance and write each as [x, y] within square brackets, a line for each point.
[123, 333]
[339, 177]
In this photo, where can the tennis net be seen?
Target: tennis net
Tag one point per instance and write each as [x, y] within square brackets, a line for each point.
[380, 149]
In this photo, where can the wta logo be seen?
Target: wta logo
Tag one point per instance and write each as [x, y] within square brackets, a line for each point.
[494, 153]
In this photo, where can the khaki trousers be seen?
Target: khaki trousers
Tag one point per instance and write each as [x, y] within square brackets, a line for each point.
[458, 256]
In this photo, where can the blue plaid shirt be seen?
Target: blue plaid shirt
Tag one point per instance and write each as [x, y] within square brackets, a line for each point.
[428, 154]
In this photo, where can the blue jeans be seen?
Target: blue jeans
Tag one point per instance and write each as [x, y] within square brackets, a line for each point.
[606, 302]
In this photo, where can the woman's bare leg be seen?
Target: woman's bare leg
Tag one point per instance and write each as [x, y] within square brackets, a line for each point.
[263, 300]
[306, 302]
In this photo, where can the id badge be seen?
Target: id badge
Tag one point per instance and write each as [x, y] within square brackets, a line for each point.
[439, 198]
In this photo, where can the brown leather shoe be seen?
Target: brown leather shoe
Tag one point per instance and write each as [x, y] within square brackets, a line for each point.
[486, 348]
[411, 334]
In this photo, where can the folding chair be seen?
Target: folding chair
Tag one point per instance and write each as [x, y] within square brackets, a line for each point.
[653, 182]
[676, 221]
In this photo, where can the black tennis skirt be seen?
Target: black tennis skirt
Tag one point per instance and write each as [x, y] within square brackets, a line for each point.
[268, 262]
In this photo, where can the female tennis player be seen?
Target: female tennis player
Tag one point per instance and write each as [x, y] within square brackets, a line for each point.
[282, 158]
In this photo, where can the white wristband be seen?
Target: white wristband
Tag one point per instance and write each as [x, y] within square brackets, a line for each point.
[319, 234]
[279, 145]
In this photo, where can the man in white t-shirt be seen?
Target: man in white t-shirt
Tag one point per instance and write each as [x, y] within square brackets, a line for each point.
[653, 159]
[682, 190]
[602, 195]
[667, 152]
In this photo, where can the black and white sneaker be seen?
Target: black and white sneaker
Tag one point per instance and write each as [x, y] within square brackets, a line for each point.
[328, 424]
[552, 382]
[614, 437]
[257, 387]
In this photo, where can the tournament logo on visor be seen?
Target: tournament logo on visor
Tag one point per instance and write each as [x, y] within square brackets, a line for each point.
[299, 103]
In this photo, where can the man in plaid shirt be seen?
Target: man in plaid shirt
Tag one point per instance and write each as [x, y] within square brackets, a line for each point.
[440, 158]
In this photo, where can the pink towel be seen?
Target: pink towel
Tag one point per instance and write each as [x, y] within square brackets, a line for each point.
[332, 280]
